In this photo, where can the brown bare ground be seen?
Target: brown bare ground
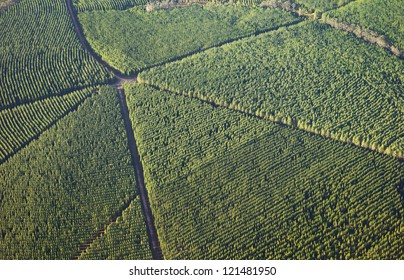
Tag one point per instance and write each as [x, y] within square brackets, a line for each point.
[4, 4]
[137, 164]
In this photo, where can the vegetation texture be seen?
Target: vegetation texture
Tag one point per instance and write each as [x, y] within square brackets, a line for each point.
[18, 126]
[40, 55]
[134, 39]
[309, 76]
[241, 118]
[385, 17]
[90, 5]
[56, 193]
[321, 5]
[249, 189]
[125, 239]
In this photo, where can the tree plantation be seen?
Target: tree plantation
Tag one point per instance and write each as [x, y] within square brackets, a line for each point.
[171, 33]
[58, 191]
[34, 62]
[125, 239]
[201, 129]
[308, 76]
[21, 124]
[257, 190]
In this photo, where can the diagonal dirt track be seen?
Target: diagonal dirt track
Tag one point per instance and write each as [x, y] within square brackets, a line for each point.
[102, 231]
[83, 41]
[144, 199]
[147, 213]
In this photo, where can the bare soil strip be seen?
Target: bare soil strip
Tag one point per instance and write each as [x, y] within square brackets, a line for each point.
[144, 199]
[137, 164]
[5, 4]
[147, 213]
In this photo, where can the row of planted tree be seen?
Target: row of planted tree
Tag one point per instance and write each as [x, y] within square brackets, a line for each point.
[265, 190]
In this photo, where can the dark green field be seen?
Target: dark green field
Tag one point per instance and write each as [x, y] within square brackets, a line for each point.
[201, 129]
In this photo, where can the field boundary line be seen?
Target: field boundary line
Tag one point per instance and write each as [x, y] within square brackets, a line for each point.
[133, 75]
[360, 32]
[51, 124]
[143, 194]
[289, 122]
[364, 34]
[230, 41]
[45, 97]
[102, 231]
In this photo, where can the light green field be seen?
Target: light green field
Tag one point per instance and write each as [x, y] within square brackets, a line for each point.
[133, 39]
